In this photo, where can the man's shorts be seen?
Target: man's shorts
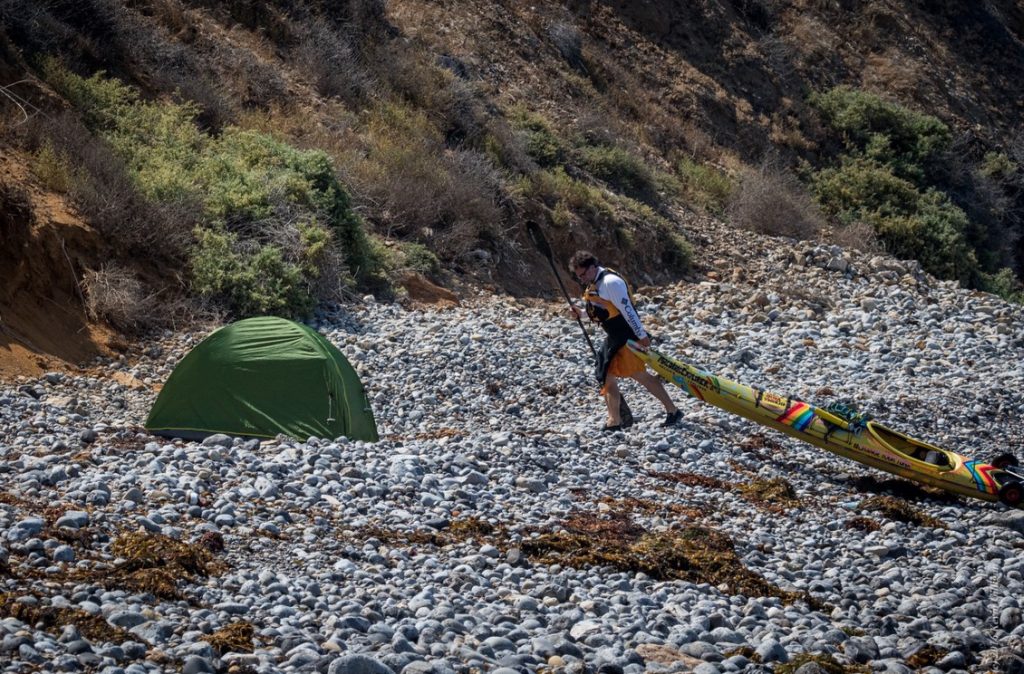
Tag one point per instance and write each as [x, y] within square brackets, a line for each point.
[624, 363]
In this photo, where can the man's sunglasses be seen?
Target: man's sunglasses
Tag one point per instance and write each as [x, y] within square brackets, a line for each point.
[576, 277]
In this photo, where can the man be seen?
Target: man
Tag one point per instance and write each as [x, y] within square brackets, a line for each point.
[607, 301]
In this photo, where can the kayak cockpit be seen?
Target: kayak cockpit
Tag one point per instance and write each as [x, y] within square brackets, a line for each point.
[915, 450]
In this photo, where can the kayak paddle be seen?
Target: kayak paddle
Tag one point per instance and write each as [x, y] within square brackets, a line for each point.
[541, 242]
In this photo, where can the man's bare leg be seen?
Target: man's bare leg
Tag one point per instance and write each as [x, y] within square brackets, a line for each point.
[611, 399]
[654, 385]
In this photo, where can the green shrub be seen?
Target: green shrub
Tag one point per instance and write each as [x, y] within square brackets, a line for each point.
[102, 101]
[676, 252]
[705, 186]
[625, 235]
[277, 213]
[1005, 284]
[561, 216]
[863, 185]
[621, 169]
[542, 142]
[911, 223]
[160, 143]
[419, 258]
[933, 236]
[997, 166]
[883, 131]
[407, 255]
[890, 178]
[53, 169]
[249, 279]
[651, 237]
[245, 175]
[558, 186]
[100, 184]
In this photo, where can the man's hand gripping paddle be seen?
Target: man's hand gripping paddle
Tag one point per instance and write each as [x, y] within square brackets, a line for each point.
[541, 242]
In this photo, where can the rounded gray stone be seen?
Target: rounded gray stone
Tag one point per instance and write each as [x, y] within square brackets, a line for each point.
[358, 664]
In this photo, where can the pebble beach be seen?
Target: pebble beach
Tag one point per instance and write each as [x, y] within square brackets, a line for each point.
[454, 543]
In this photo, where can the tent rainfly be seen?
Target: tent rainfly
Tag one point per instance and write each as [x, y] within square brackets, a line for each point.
[261, 377]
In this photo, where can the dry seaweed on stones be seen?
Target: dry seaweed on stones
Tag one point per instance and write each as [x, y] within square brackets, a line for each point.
[213, 541]
[52, 619]
[896, 509]
[153, 551]
[396, 536]
[153, 563]
[437, 434]
[125, 443]
[458, 531]
[759, 441]
[84, 456]
[50, 514]
[776, 493]
[691, 479]
[926, 656]
[234, 638]
[649, 507]
[78, 537]
[470, 527]
[863, 524]
[746, 651]
[159, 657]
[695, 554]
[158, 582]
[16, 501]
[823, 661]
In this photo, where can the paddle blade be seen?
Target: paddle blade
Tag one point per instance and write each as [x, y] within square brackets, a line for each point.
[537, 236]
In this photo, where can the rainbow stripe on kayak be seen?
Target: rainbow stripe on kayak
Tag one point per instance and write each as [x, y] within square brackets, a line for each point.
[799, 416]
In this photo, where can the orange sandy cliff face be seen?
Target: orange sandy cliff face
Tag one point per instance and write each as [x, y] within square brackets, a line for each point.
[44, 248]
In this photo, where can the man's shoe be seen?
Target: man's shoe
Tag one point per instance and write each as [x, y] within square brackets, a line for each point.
[672, 418]
[612, 429]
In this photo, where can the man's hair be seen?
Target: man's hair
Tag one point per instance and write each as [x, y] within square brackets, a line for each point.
[583, 258]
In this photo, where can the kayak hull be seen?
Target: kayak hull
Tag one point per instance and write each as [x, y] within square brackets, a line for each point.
[867, 442]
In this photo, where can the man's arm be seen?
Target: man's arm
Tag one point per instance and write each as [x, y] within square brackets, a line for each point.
[617, 293]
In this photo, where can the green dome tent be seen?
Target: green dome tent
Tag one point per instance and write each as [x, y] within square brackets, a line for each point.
[261, 377]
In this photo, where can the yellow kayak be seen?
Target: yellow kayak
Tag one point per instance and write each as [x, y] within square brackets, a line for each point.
[847, 434]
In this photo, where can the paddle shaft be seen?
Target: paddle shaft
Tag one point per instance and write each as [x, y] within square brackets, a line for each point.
[579, 321]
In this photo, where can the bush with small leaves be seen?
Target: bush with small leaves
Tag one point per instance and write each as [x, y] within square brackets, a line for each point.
[911, 223]
[884, 131]
[398, 256]
[542, 142]
[248, 278]
[706, 187]
[1005, 284]
[278, 215]
[53, 169]
[621, 169]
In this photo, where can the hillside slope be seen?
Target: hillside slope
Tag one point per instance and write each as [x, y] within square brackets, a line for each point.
[620, 125]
